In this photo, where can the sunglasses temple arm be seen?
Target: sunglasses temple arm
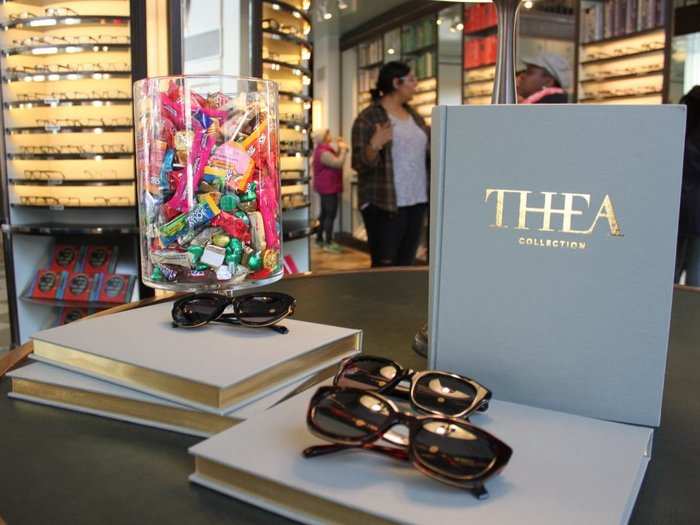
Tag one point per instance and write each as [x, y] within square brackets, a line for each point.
[322, 450]
[232, 320]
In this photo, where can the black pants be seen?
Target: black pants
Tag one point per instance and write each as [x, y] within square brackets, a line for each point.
[329, 209]
[393, 237]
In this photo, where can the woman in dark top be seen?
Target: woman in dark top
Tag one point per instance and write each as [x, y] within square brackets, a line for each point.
[688, 251]
[390, 145]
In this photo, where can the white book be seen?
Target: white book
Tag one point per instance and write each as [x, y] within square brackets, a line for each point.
[216, 368]
[53, 386]
[564, 469]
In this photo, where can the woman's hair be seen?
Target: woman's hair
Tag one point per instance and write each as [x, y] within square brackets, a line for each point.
[319, 136]
[387, 74]
[692, 100]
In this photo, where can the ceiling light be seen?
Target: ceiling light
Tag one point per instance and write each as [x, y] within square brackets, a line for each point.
[528, 4]
[391, 51]
[439, 21]
[327, 16]
[276, 7]
[460, 26]
[342, 4]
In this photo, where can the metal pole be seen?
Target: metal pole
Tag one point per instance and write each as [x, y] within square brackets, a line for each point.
[504, 83]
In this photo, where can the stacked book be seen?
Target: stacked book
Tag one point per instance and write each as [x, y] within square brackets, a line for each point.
[135, 366]
[581, 470]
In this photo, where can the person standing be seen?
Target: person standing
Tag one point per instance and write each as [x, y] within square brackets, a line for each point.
[688, 248]
[544, 80]
[390, 152]
[328, 182]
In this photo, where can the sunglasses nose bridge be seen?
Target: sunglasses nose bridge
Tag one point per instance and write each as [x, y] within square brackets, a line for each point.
[405, 418]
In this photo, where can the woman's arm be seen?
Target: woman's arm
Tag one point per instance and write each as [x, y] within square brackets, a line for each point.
[334, 161]
[363, 156]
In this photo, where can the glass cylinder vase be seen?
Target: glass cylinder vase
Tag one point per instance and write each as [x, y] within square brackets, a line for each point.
[207, 157]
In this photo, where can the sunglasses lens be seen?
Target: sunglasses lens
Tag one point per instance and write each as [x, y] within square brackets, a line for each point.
[197, 309]
[263, 309]
[453, 450]
[443, 393]
[367, 373]
[350, 414]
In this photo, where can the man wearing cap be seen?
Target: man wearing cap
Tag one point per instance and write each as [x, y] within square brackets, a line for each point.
[545, 80]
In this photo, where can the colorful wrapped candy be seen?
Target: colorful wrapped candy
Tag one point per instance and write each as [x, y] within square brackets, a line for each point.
[209, 182]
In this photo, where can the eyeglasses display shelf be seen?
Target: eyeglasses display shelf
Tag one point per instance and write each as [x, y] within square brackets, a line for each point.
[67, 149]
[286, 58]
[622, 61]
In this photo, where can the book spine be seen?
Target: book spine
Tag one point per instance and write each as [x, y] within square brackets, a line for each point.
[660, 13]
[640, 14]
[631, 22]
[620, 16]
[608, 19]
[599, 11]
[651, 9]
[587, 25]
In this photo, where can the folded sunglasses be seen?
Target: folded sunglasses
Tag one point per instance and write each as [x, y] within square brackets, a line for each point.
[447, 449]
[254, 310]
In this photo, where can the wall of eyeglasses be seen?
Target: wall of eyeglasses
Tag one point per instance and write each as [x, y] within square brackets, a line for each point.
[67, 106]
[623, 61]
[286, 59]
[68, 135]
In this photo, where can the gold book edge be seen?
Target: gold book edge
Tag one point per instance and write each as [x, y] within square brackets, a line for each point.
[207, 395]
[277, 495]
[119, 406]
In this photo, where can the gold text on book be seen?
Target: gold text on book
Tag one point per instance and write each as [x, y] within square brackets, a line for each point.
[606, 211]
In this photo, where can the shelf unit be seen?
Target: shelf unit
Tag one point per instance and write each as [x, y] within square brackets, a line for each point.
[623, 52]
[68, 164]
[416, 44]
[286, 57]
[539, 31]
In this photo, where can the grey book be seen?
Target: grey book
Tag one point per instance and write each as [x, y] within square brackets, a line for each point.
[553, 234]
[216, 368]
[564, 469]
[57, 387]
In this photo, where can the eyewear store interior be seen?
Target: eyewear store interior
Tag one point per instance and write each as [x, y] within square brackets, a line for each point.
[120, 190]
[67, 112]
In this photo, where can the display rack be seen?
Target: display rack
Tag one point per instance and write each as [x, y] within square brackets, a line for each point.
[480, 43]
[286, 58]
[542, 28]
[68, 161]
[622, 53]
[416, 44]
